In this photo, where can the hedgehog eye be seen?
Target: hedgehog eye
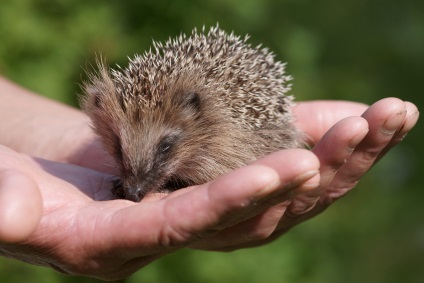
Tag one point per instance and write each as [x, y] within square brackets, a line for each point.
[167, 143]
[165, 147]
[192, 100]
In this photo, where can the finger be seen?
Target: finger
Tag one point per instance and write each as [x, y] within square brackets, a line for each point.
[20, 206]
[257, 227]
[252, 232]
[206, 210]
[315, 118]
[412, 115]
[385, 117]
[330, 161]
[335, 148]
[260, 224]
[289, 165]
[333, 151]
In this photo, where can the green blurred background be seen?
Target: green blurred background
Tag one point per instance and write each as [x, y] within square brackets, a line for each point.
[361, 50]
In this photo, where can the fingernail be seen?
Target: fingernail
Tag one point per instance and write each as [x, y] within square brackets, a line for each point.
[305, 188]
[299, 180]
[392, 123]
[353, 143]
[265, 191]
[272, 188]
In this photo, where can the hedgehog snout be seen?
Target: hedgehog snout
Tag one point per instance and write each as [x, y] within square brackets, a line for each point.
[137, 190]
[136, 187]
[134, 193]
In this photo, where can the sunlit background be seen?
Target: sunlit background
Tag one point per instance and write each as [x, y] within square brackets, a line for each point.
[360, 50]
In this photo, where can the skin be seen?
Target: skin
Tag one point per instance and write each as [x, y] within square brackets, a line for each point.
[69, 221]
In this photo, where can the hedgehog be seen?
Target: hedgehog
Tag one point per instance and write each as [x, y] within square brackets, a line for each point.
[194, 108]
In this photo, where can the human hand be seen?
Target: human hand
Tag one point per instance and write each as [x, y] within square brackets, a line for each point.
[231, 212]
[83, 231]
[346, 151]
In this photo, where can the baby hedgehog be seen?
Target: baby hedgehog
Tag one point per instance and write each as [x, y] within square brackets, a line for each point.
[195, 108]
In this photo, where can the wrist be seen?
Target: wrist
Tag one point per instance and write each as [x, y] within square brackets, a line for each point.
[38, 126]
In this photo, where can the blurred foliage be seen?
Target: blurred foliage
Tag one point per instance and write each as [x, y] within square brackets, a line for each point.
[360, 50]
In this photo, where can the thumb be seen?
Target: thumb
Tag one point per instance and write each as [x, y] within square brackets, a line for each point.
[20, 206]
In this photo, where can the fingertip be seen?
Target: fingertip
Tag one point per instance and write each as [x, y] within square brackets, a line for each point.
[357, 123]
[20, 206]
[385, 118]
[295, 160]
[358, 128]
[411, 118]
[412, 113]
[350, 127]
[247, 182]
[292, 169]
[388, 106]
[340, 141]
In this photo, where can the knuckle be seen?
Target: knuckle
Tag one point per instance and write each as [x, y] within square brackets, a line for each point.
[169, 237]
[336, 164]
[301, 205]
[370, 154]
[340, 190]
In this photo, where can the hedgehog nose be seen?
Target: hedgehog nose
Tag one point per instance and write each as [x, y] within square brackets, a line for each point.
[135, 193]
[134, 197]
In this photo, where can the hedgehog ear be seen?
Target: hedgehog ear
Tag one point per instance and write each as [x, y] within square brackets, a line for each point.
[93, 95]
[192, 101]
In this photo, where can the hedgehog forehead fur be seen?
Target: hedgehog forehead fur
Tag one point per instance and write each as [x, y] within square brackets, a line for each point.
[246, 78]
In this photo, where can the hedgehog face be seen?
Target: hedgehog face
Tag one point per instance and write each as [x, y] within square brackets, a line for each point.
[154, 145]
[149, 163]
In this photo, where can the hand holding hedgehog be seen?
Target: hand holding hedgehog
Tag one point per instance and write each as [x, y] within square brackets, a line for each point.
[195, 109]
[73, 197]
